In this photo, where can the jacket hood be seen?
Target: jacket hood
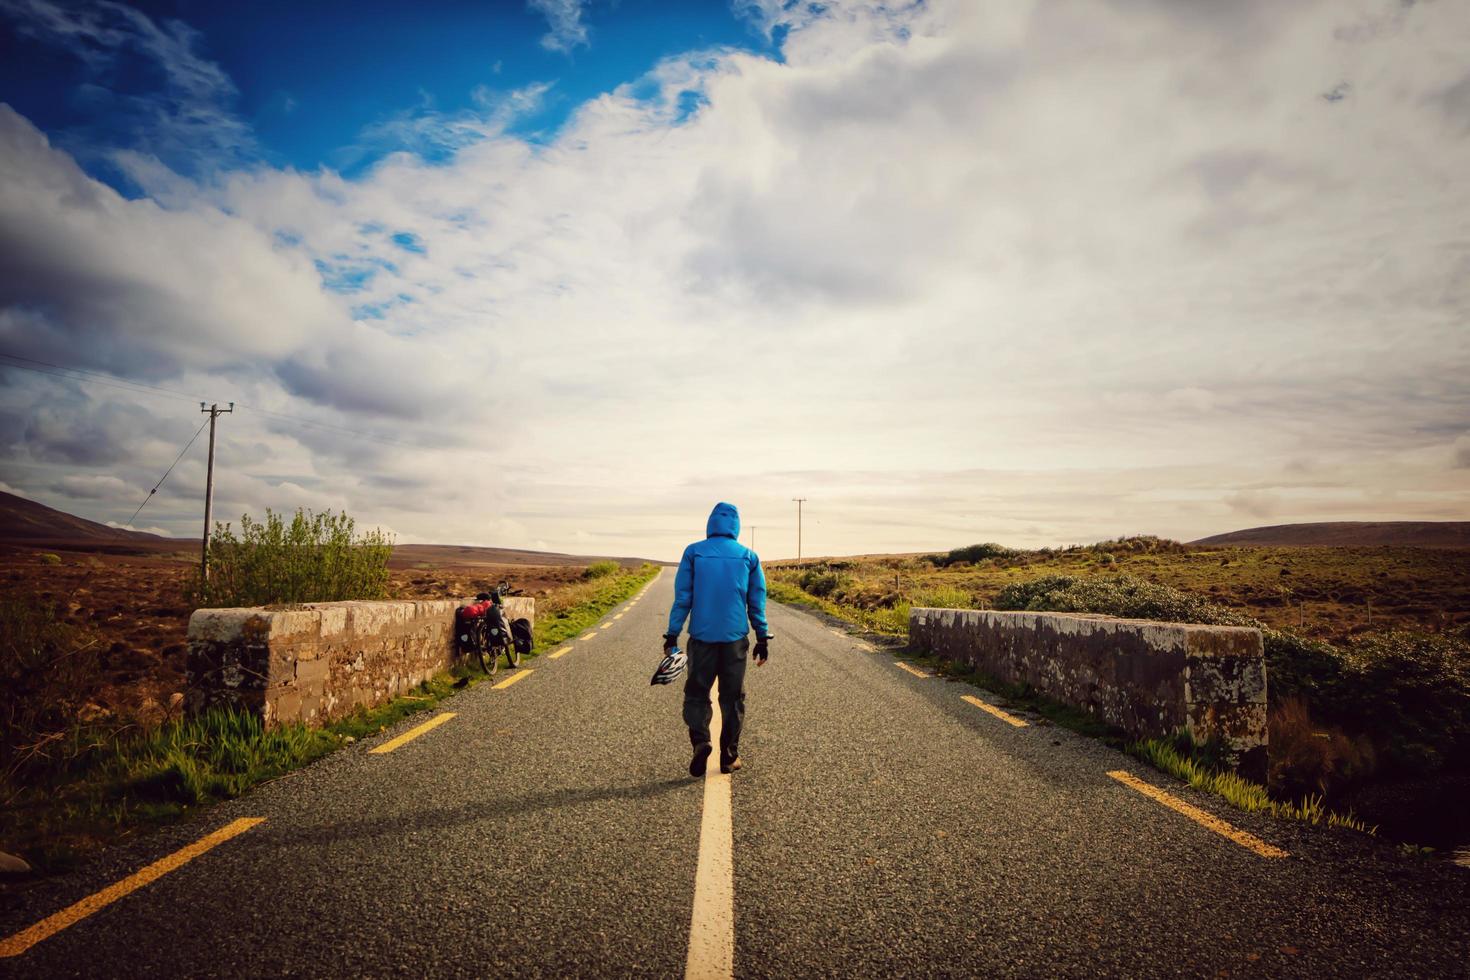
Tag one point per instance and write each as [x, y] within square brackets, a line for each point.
[724, 519]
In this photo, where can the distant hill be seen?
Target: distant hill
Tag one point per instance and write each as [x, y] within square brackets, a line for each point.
[1350, 534]
[26, 522]
[408, 555]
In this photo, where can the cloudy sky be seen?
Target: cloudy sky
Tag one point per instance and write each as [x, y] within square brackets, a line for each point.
[560, 274]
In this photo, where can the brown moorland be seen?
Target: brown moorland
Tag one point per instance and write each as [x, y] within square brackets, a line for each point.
[127, 594]
[1323, 593]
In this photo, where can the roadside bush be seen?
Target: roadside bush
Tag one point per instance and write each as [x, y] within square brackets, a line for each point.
[1412, 690]
[1119, 595]
[47, 558]
[973, 553]
[820, 583]
[1146, 544]
[601, 569]
[313, 558]
[1298, 667]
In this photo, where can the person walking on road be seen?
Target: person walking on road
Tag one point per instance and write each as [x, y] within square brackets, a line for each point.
[721, 590]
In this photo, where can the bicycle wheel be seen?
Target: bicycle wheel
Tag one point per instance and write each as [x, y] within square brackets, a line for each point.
[489, 655]
[512, 654]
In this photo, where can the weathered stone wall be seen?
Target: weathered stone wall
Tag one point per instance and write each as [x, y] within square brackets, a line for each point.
[1145, 677]
[316, 663]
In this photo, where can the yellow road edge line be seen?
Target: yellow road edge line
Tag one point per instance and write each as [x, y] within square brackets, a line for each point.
[620, 615]
[1004, 716]
[1207, 820]
[512, 679]
[605, 626]
[589, 636]
[912, 670]
[412, 734]
[559, 653]
[52, 924]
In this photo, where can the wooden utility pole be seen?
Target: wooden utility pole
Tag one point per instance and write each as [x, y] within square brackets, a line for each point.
[214, 413]
[798, 501]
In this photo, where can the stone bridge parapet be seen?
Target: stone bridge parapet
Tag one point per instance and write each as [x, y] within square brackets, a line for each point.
[1148, 678]
[318, 662]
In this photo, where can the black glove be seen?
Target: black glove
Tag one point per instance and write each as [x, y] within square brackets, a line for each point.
[762, 649]
[671, 642]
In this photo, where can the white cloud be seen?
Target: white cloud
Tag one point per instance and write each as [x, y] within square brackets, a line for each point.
[94, 486]
[1033, 273]
[565, 19]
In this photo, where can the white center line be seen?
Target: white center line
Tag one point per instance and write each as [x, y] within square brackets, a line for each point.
[712, 925]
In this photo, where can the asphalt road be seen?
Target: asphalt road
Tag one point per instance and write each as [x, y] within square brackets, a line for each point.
[881, 826]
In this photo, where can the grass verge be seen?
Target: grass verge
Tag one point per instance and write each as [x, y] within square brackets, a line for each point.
[1166, 755]
[573, 609]
[887, 621]
[114, 787]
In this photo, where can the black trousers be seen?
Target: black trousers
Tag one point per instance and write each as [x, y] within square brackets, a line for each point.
[708, 661]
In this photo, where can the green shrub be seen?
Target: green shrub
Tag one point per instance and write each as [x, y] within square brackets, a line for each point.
[1145, 544]
[1299, 667]
[973, 553]
[314, 558]
[1118, 595]
[1412, 691]
[47, 558]
[820, 583]
[601, 569]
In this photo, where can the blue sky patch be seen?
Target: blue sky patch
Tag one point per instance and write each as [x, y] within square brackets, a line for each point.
[321, 84]
[409, 242]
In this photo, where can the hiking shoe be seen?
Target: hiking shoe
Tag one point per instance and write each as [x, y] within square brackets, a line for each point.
[701, 759]
[729, 764]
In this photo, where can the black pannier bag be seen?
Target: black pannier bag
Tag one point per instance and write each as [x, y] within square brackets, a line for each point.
[497, 631]
[520, 632]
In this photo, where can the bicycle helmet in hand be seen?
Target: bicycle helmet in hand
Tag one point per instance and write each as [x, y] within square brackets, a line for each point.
[670, 667]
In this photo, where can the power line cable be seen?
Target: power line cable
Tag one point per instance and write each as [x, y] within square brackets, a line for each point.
[166, 473]
[93, 377]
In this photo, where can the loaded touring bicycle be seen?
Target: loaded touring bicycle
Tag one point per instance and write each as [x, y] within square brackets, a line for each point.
[483, 630]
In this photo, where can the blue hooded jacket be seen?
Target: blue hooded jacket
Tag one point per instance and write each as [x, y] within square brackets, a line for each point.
[720, 586]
